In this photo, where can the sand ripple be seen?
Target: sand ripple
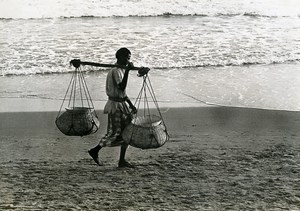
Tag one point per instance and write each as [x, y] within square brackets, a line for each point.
[227, 179]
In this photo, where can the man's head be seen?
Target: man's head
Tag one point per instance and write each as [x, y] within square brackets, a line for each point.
[123, 56]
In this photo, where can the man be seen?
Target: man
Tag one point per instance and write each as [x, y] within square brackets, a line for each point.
[117, 108]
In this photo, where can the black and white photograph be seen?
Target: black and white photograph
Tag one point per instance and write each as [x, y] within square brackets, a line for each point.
[143, 105]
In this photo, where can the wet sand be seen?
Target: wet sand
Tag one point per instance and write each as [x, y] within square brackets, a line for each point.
[218, 158]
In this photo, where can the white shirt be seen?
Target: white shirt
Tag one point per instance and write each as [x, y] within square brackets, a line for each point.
[115, 77]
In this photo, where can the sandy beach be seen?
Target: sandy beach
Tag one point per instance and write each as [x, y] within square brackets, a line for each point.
[218, 158]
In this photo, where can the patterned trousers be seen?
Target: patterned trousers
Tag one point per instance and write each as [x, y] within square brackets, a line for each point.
[115, 126]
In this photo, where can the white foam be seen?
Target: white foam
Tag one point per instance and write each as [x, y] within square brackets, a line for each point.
[105, 8]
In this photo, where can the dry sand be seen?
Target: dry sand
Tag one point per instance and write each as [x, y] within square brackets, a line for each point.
[218, 158]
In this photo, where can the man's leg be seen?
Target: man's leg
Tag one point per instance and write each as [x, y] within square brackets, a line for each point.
[94, 153]
[122, 161]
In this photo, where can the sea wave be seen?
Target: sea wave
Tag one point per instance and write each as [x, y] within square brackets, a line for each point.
[228, 64]
[164, 14]
[40, 9]
[89, 69]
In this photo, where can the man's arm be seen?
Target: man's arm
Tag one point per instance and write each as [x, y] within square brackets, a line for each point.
[133, 108]
[123, 84]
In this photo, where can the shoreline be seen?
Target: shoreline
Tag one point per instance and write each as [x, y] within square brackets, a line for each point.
[53, 105]
[15, 105]
[258, 86]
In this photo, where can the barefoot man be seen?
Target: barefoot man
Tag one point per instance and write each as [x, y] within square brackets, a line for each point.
[117, 107]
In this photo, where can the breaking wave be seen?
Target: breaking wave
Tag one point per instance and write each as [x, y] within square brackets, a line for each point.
[39, 9]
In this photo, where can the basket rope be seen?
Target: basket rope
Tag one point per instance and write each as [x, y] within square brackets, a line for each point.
[80, 99]
[156, 103]
[147, 87]
[77, 77]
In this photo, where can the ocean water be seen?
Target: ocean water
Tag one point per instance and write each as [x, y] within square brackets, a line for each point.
[234, 54]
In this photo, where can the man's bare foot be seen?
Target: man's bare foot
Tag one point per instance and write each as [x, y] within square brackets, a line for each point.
[94, 155]
[125, 164]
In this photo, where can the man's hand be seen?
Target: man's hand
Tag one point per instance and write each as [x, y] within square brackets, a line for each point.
[75, 62]
[133, 109]
[129, 66]
[143, 71]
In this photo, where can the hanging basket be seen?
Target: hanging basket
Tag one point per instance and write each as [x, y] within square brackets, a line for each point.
[77, 121]
[146, 132]
[79, 118]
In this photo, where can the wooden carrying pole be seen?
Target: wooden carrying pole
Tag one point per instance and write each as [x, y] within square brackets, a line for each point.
[76, 63]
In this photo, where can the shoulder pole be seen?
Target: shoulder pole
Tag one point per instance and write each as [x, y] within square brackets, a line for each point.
[76, 63]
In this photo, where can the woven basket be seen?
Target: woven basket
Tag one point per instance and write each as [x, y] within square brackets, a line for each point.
[78, 121]
[145, 132]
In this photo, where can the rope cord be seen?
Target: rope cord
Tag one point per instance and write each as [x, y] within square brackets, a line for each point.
[74, 96]
[81, 86]
[147, 86]
[65, 96]
[148, 107]
[72, 88]
[75, 83]
[84, 89]
[80, 89]
[137, 104]
[71, 92]
[77, 96]
[156, 103]
[151, 91]
[86, 92]
[140, 93]
[88, 95]
[89, 101]
[77, 79]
